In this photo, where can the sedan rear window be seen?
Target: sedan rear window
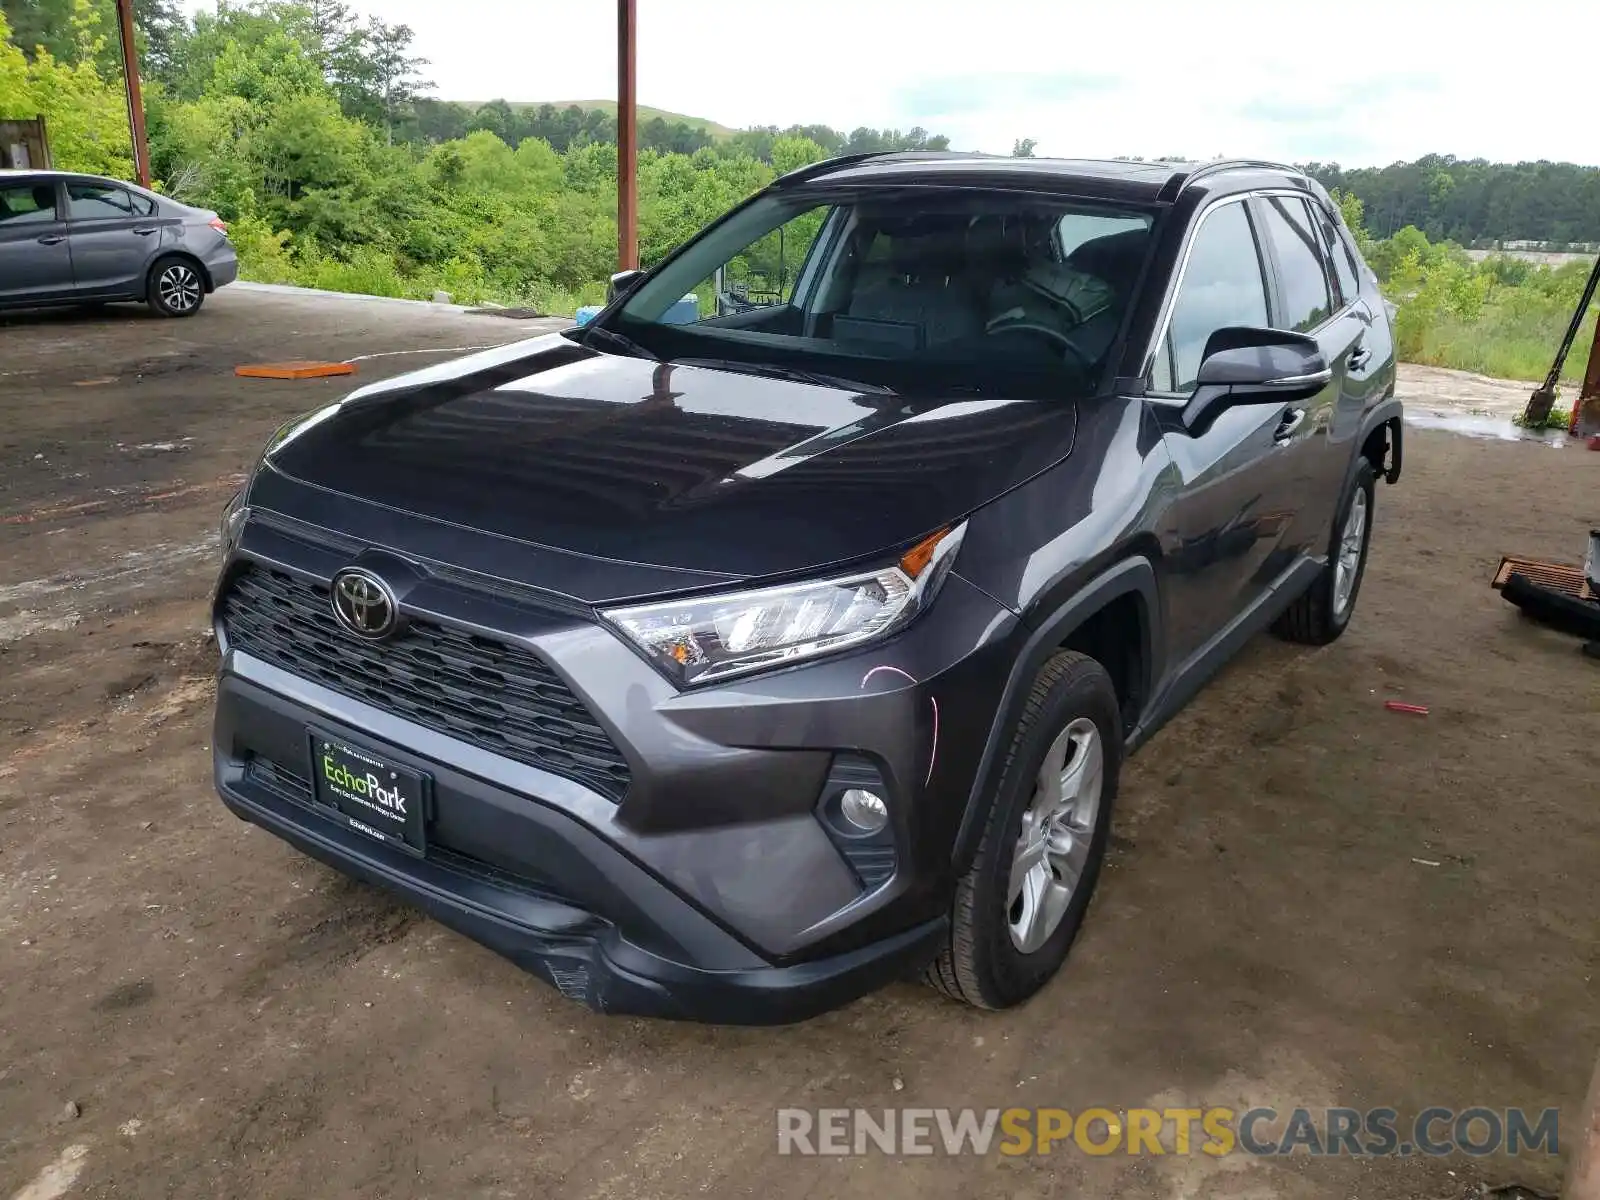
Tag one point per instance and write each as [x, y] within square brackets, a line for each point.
[97, 202]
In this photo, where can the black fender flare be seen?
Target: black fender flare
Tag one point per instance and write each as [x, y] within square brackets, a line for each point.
[1135, 576]
[1383, 413]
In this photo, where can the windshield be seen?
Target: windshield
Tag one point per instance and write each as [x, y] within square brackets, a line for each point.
[915, 290]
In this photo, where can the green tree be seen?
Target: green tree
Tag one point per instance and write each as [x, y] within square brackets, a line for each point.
[378, 76]
[1023, 148]
[87, 116]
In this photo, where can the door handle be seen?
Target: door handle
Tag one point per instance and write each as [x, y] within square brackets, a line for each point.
[145, 230]
[52, 239]
[1286, 427]
[1359, 357]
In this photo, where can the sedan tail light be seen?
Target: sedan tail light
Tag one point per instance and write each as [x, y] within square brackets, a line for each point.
[219, 225]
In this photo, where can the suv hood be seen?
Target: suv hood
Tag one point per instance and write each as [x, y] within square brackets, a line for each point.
[516, 461]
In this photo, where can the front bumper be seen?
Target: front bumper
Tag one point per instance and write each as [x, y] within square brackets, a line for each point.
[693, 969]
[714, 889]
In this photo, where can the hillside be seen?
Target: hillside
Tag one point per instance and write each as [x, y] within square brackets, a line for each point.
[717, 131]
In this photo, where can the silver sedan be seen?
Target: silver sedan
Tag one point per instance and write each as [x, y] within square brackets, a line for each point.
[69, 239]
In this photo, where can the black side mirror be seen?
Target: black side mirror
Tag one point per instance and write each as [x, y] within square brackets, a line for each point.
[622, 283]
[1254, 366]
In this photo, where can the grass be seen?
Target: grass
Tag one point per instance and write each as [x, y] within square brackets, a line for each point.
[1558, 418]
[1508, 340]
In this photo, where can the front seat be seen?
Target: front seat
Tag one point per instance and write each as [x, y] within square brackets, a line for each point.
[923, 284]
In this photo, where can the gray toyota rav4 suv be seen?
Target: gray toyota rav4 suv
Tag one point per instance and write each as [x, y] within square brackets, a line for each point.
[783, 630]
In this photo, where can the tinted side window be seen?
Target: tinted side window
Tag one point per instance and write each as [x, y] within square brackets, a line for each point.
[1222, 286]
[1340, 255]
[97, 202]
[143, 206]
[27, 204]
[1306, 303]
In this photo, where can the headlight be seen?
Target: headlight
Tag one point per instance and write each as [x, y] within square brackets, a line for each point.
[700, 639]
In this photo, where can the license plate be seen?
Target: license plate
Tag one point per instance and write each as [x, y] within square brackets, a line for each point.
[384, 801]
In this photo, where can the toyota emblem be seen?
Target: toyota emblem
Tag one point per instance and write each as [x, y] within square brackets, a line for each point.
[364, 604]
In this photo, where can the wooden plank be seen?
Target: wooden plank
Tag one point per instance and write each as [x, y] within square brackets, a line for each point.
[299, 369]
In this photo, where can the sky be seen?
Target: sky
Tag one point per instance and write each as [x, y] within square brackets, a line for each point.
[1360, 82]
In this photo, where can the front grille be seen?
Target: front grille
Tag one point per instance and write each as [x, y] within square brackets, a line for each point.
[500, 697]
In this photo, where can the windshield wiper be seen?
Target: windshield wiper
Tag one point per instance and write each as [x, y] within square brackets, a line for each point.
[618, 342]
[793, 374]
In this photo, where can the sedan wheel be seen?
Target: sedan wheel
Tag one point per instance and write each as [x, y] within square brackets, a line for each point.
[176, 288]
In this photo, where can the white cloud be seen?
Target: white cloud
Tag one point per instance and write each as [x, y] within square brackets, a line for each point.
[1360, 83]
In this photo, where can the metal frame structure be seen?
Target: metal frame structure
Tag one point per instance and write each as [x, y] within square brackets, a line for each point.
[627, 136]
[130, 75]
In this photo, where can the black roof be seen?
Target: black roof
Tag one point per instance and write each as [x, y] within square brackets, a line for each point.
[1100, 178]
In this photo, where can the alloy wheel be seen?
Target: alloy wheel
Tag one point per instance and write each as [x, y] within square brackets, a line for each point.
[179, 287]
[1057, 830]
[1350, 547]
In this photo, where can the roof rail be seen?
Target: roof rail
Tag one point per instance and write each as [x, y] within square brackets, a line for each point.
[812, 170]
[1180, 180]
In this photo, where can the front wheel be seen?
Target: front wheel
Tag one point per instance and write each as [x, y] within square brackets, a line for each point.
[1321, 615]
[1019, 907]
[175, 288]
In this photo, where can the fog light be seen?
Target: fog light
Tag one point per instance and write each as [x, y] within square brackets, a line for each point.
[864, 810]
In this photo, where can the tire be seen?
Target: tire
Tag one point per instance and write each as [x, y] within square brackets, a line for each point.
[1323, 612]
[175, 287]
[984, 963]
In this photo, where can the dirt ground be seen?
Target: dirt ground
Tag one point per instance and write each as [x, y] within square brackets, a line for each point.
[233, 1020]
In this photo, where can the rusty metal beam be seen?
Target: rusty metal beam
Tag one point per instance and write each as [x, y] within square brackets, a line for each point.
[130, 73]
[627, 136]
[1586, 410]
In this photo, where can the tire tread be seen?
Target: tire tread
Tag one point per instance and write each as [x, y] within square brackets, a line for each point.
[956, 972]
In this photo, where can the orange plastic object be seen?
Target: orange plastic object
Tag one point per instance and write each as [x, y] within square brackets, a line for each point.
[300, 369]
[1401, 706]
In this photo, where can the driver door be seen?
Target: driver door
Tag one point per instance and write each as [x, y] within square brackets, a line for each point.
[1235, 503]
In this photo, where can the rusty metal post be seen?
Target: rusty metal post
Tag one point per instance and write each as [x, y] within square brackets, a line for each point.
[627, 137]
[1540, 403]
[1585, 421]
[1583, 1169]
[130, 73]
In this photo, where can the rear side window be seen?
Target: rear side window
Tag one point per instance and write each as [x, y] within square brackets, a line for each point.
[1340, 255]
[143, 206]
[27, 204]
[1287, 225]
[97, 202]
[1222, 286]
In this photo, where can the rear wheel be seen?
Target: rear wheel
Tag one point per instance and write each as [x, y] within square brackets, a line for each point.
[1019, 907]
[1322, 614]
[175, 288]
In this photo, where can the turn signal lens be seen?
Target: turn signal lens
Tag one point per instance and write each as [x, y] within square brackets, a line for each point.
[916, 559]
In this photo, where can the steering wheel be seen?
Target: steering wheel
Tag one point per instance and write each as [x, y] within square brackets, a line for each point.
[1054, 336]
